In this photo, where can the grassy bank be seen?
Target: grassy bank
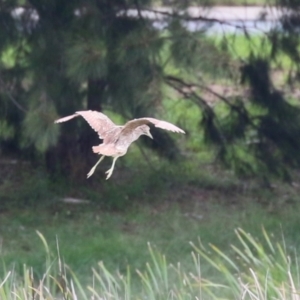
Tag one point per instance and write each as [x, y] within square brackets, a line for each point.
[259, 269]
[169, 209]
[177, 208]
[194, 251]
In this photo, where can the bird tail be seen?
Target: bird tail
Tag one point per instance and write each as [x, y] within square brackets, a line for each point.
[96, 149]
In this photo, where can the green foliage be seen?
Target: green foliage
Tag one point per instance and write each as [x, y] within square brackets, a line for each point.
[259, 270]
[86, 58]
[6, 130]
[8, 58]
[276, 143]
[95, 55]
[169, 207]
[38, 126]
[207, 58]
[28, 186]
[252, 132]
[96, 58]
[266, 276]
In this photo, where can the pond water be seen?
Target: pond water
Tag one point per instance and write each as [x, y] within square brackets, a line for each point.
[237, 26]
[223, 19]
[254, 19]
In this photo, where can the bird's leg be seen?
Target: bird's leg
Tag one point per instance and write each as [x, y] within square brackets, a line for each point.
[110, 171]
[91, 172]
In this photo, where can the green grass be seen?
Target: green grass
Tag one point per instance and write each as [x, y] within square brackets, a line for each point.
[241, 47]
[174, 207]
[259, 269]
[167, 210]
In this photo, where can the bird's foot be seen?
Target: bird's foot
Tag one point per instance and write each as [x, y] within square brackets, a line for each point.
[109, 173]
[91, 172]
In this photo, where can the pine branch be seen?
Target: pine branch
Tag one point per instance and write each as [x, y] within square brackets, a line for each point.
[190, 94]
[12, 98]
[234, 107]
[185, 89]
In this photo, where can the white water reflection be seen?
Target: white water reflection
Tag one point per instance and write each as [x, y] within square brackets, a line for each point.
[216, 20]
[234, 27]
[237, 26]
[213, 20]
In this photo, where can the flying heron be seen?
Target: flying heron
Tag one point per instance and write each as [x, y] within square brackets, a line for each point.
[117, 139]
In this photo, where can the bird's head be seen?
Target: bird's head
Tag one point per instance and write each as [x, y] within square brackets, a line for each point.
[145, 130]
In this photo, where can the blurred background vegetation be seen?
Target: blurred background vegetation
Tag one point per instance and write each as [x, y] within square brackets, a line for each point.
[231, 83]
[60, 57]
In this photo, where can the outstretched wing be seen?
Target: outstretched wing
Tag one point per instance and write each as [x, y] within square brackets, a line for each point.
[65, 119]
[131, 125]
[97, 120]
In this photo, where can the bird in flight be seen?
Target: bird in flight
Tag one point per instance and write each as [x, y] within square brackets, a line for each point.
[116, 138]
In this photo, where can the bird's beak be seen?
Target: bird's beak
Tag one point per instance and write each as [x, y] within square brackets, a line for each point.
[150, 135]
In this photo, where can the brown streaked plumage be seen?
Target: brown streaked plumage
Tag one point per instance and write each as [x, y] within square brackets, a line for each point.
[117, 139]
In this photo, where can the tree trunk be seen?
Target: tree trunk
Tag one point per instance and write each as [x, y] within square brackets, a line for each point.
[73, 156]
[88, 137]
